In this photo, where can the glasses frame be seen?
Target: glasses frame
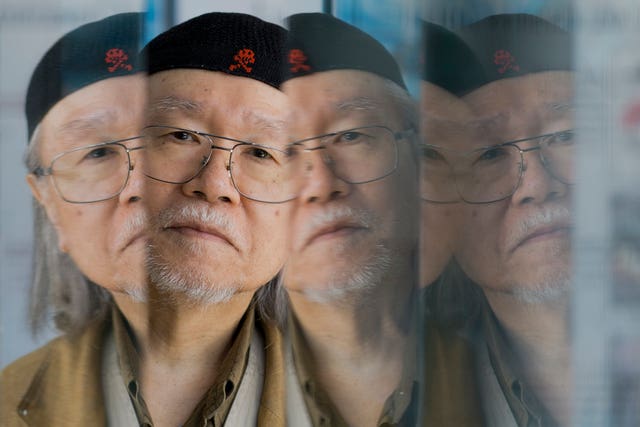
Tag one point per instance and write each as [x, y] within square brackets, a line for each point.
[397, 136]
[521, 169]
[439, 148]
[48, 171]
[212, 147]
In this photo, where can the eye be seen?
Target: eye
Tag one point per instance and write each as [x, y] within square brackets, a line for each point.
[292, 150]
[350, 137]
[183, 137]
[431, 153]
[565, 137]
[100, 153]
[259, 153]
[492, 154]
[97, 153]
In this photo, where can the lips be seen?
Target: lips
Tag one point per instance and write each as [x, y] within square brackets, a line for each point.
[543, 233]
[338, 229]
[202, 231]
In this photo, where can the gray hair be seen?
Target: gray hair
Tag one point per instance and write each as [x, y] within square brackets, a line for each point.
[272, 302]
[408, 110]
[406, 105]
[59, 291]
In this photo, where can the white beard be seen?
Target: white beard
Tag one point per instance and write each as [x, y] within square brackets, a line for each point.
[554, 289]
[189, 283]
[360, 279]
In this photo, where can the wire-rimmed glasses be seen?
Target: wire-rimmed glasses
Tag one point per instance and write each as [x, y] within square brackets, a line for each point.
[91, 173]
[490, 174]
[358, 155]
[258, 172]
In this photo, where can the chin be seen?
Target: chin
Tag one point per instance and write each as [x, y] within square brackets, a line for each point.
[552, 288]
[341, 279]
[179, 281]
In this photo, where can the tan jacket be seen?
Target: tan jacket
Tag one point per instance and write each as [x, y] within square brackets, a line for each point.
[60, 383]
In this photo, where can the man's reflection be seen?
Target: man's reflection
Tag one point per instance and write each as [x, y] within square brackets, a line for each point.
[351, 274]
[515, 178]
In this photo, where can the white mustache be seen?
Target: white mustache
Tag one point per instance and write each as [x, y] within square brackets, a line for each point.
[133, 225]
[326, 218]
[360, 216]
[199, 214]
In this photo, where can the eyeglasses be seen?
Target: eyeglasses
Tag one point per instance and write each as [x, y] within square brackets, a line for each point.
[437, 183]
[359, 155]
[92, 173]
[491, 174]
[258, 172]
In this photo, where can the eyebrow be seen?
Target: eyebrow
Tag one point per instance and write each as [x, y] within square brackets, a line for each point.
[360, 103]
[173, 103]
[263, 122]
[489, 121]
[92, 121]
[560, 107]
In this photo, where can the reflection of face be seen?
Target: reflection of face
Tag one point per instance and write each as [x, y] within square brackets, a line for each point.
[209, 241]
[444, 120]
[521, 245]
[103, 238]
[346, 236]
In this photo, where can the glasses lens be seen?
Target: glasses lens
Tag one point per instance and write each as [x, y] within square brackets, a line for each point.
[266, 174]
[558, 151]
[174, 155]
[489, 174]
[92, 173]
[363, 154]
[437, 179]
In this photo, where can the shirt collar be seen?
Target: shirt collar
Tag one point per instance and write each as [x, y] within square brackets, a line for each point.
[526, 408]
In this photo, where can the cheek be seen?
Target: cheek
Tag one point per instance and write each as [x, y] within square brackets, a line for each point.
[478, 248]
[439, 222]
[271, 231]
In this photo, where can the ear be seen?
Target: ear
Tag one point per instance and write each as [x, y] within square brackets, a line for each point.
[43, 197]
[34, 185]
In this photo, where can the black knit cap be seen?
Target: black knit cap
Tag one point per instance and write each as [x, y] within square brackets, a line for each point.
[233, 43]
[320, 42]
[448, 62]
[512, 45]
[91, 53]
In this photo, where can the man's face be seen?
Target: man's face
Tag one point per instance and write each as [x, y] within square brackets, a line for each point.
[521, 245]
[347, 236]
[208, 241]
[105, 239]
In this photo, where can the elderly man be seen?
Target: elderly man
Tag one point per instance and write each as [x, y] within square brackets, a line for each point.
[351, 274]
[84, 106]
[221, 181]
[515, 178]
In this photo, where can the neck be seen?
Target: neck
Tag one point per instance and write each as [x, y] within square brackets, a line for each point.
[358, 349]
[539, 336]
[182, 344]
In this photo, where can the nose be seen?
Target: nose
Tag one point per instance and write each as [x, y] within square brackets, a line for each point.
[134, 188]
[213, 183]
[321, 184]
[537, 184]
